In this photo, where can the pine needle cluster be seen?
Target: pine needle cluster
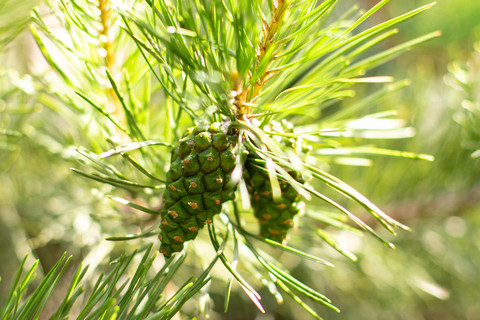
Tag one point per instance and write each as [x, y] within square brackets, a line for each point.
[133, 78]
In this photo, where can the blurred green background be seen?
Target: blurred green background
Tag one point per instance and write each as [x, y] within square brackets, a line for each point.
[433, 274]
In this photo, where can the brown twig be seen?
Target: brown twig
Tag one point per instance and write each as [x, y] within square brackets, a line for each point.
[247, 96]
[270, 30]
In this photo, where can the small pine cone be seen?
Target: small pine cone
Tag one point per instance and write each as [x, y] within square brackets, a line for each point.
[197, 183]
[275, 217]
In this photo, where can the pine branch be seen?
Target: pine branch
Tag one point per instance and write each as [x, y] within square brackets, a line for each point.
[265, 49]
[105, 37]
[223, 63]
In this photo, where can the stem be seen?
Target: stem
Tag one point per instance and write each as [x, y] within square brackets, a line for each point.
[106, 39]
[270, 30]
[249, 94]
[105, 12]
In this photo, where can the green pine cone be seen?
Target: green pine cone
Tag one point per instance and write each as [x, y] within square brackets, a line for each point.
[275, 218]
[197, 183]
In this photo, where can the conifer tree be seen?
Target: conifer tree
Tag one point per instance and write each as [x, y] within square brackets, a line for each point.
[231, 113]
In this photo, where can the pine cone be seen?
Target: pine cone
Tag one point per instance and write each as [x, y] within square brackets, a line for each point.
[198, 182]
[275, 218]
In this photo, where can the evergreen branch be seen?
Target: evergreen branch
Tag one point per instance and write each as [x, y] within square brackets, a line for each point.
[261, 139]
[140, 44]
[105, 33]
[364, 17]
[278, 171]
[75, 16]
[289, 249]
[203, 55]
[174, 305]
[279, 275]
[106, 39]
[265, 51]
